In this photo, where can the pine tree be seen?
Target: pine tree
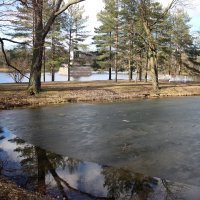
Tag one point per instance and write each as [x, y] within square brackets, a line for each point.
[133, 45]
[103, 40]
[181, 38]
[152, 16]
[74, 28]
[54, 41]
[25, 29]
[128, 17]
[107, 36]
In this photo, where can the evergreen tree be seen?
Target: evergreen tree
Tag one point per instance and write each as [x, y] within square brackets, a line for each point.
[181, 38]
[54, 41]
[103, 40]
[129, 21]
[40, 34]
[24, 28]
[107, 36]
[74, 25]
[152, 16]
[133, 45]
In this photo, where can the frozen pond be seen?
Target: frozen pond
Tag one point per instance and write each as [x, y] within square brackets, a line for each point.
[5, 78]
[159, 138]
[63, 177]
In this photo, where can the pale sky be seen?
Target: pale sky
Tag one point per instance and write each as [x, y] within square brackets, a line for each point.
[92, 7]
[192, 7]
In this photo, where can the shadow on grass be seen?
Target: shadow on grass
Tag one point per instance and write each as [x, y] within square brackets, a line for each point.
[91, 86]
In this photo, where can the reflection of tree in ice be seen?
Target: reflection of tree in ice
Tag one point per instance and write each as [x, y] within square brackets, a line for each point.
[173, 191]
[38, 163]
[49, 173]
[3, 161]
[122, 184]
[1, 134]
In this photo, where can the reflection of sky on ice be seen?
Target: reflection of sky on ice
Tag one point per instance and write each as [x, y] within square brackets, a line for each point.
[9, 147]
[87, 177]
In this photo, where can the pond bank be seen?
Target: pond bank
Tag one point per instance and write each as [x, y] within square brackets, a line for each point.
[10, 191]
[14, 95]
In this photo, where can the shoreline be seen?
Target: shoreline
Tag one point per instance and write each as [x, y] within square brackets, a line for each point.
[15, 96]
[11, 191]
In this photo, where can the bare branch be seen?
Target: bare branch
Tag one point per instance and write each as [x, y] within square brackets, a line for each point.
[57, 11]
[16, 42]
[6, 58]
[8, 3]
[62, 9]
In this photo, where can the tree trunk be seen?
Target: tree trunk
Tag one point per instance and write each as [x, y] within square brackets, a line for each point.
[52, 74]
[110, 59]
[169, 69]
[53, 49]
[140, 73]
[130, 70]
[129, 60]
[152, 55]
[147, 67]
[110, 73]
[41, 185]
[180, 65]
[44, 64]
[116, 42]
[35, 75]
[70, 60]
[140, 67]
[116, 69]
[153, 68]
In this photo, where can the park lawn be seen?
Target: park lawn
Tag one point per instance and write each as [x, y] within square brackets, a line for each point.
[15, 95]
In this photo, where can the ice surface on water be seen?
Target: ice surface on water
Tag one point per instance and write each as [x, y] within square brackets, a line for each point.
[158, 137]
[63, 177]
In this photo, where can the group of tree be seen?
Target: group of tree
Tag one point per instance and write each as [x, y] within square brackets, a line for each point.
[50, 29]
[145, 36]
[134, 34]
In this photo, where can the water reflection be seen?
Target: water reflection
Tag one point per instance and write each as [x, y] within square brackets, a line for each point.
[67, 178]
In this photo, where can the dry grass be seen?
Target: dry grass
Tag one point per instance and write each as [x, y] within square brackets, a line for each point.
[6, 69]
[10, 191]
[14, 95]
